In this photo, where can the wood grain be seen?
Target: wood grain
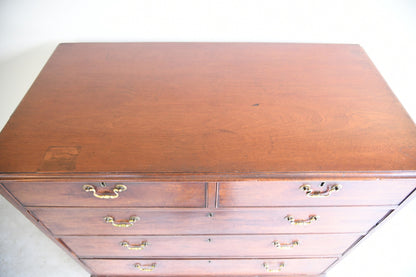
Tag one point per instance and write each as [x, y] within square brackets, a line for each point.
[144, 194]
[213, 141]
[81, 221]
[208, 107]
[216, 267]
[315, 245]
[279, 193]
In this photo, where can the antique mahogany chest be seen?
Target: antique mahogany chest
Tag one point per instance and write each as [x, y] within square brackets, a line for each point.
[208, 159]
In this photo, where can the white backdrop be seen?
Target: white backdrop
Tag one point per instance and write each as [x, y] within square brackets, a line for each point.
[30, 30]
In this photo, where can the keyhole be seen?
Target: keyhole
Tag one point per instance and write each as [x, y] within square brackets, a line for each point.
[103, 185]
[322, 184]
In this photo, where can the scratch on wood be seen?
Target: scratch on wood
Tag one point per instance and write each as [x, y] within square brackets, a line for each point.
[226, 131]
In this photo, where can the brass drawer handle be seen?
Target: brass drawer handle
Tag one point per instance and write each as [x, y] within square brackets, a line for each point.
[285, 245]
[312, 193]
[308, 221]
[148, 267]
[121, 224]
[117, 188]
[268, 269]
[129, 246]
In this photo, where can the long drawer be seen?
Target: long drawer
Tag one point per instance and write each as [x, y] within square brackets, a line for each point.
[125, 221]
[110, 194]
[313, 193]
[217, 267]
[330, 245]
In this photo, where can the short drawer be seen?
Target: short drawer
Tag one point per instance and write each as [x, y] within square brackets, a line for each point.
[217, 267]
[313, 193]
[125, 221]
[107, 194]
[329, 245]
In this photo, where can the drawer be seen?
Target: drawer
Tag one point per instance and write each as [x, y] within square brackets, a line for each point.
[117, 194]
[314, 193]
[215, 267]
[98, 221]
[330, 245]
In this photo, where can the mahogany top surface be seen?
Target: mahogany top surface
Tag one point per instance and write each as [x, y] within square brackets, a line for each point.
[221, 108]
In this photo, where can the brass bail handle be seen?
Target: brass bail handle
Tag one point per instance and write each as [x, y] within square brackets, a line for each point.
[122, 223]
[285, 245]
[148, 267]
[105, 195]
[129, 246]
[268, 268]
[308, 221]
[314, 193]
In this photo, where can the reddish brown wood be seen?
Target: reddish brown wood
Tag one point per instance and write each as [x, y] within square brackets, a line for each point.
[278, 193]
[195, 130]
[318, 245]
[208, 107]
[137, 194]
[209, 267]
[79, 221]
[211, 195]
[204, 177]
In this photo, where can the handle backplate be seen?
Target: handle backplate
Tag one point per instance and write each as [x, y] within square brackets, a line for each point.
[105, 195]
[315, 193]
[122, 223]
[268, 268]
[129, 246]
[148, 267]
[308, 221]
[285, 245]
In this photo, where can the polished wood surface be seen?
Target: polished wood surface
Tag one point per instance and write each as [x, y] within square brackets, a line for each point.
[143, 194]
[318, 245]
[278, 193]
[231, 194]
[216, 267]
[213, 142]
[79, 221]
[208, 107]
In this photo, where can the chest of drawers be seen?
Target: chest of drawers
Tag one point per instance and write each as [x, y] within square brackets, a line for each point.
[208, 159]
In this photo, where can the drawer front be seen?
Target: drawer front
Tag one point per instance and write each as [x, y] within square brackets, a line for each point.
[331, 193]
[209, 267]
[120, 194]
[329, 245]
[98, 221]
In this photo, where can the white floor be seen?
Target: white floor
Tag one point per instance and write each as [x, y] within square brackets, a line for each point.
[30, 30]
[25, 251]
